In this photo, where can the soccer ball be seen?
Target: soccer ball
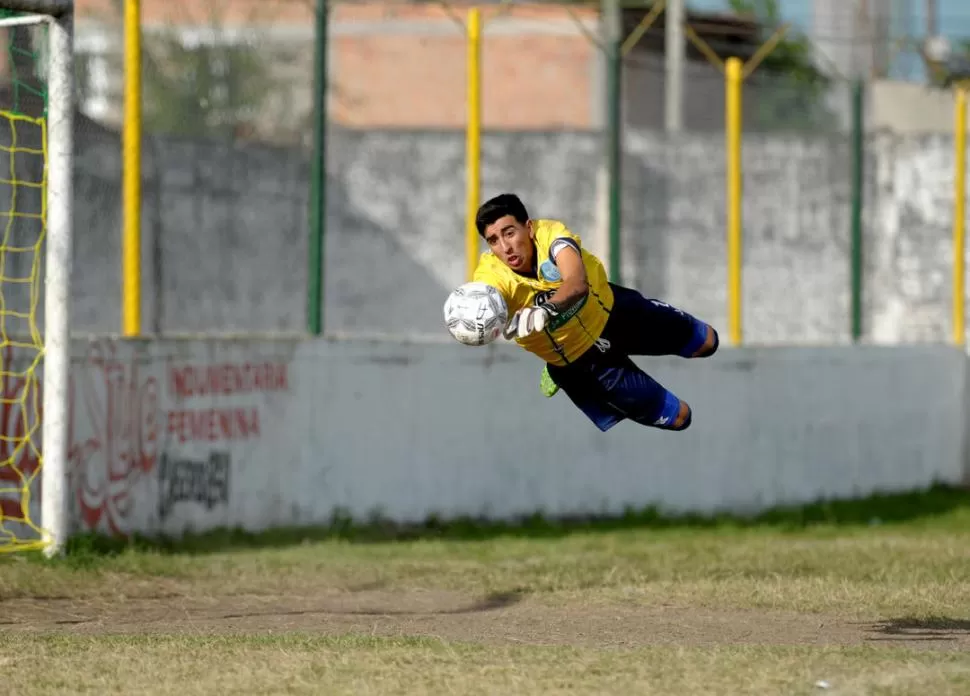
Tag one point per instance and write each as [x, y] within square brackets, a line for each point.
[475, 313]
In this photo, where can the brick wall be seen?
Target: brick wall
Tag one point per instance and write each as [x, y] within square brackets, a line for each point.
[393, 65]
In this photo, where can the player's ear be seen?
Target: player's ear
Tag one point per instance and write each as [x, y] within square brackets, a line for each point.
[532, 229]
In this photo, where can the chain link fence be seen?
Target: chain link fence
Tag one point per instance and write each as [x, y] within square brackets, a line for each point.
[396, 191]
[795, 177]
[228, 122]
[227, 109]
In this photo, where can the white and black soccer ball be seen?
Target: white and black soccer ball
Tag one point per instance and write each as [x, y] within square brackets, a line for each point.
[475, 313]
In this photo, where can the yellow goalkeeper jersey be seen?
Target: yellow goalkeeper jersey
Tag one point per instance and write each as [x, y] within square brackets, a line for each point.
[582, 324]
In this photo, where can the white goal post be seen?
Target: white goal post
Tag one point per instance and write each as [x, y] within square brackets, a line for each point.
[58, 15]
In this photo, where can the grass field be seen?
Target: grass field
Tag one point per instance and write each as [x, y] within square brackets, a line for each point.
[869, 597]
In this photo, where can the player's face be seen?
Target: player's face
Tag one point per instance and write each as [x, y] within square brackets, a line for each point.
[512, 242]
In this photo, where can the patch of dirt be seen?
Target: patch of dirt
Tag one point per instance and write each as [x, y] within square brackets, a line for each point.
[495, 619]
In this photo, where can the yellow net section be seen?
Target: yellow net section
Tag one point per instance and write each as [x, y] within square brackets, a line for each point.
[23, 175]
[23, 215]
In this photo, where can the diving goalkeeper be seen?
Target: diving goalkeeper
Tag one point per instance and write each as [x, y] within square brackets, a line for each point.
[563, 309]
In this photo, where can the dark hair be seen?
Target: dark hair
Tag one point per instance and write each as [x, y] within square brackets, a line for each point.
[498, 207]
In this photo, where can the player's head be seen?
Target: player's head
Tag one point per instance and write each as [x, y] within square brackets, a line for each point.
[504, 223]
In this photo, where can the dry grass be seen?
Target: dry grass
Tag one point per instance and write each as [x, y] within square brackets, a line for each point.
[863, 572]
[659, 610]
[362, 666]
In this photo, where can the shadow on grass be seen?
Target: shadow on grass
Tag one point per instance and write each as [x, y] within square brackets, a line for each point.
[934, 628]
[492, 602]
[878, 509]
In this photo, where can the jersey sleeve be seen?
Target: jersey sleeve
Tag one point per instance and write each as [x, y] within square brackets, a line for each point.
[559, 237]
[560, 243]
[485, 273]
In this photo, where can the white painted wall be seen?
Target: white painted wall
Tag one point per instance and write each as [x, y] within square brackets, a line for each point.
[910, 108]
[417, 429]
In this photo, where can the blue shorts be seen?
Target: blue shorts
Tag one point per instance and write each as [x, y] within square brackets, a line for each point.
[606, 385]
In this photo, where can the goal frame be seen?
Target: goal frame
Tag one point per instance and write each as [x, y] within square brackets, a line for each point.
[58, 15]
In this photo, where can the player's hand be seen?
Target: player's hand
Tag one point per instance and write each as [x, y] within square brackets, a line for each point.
[528, 320]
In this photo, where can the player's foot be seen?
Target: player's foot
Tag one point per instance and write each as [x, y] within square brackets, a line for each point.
[548, 387]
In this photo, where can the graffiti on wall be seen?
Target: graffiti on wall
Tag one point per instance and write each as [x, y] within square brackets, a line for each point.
[114, 435]
[145, 435]
[212, 405]
[203, 482]
[234, 420]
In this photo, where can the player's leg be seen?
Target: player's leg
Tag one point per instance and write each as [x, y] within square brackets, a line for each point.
[644, 400]
[614, 388]
[644, 326]
[580, 384]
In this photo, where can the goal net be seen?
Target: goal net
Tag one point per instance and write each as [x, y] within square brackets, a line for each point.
[34, 267]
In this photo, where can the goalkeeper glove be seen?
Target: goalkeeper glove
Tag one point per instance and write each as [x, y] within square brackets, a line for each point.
[530, 320]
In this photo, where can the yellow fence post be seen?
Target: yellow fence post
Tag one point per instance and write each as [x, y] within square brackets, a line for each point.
[959, 213]
[473, 140]
[131, 235]
[732, 131]
[735, 72]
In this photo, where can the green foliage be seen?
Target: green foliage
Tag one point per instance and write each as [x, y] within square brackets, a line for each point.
[938, 74]
[792, 90]
[206, 90]
[210, 90]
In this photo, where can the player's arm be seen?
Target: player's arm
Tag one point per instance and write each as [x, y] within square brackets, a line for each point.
[573, 290]
[568, 257]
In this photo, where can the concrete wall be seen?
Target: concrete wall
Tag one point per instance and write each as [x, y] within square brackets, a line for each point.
[910, 108]
[225, 229]
[195, 434]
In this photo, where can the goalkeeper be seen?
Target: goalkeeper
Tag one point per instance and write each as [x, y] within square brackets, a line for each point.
[563, 309]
